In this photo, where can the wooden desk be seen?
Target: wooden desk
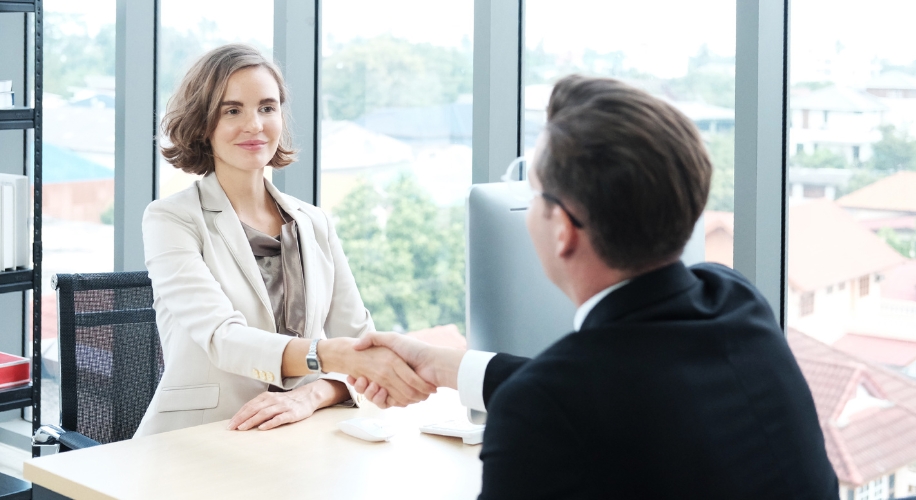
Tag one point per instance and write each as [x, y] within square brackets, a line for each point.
[310, 459]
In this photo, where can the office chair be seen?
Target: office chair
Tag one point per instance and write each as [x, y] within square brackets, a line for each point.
[110, 357]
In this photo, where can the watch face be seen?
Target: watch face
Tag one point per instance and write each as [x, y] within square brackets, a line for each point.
[312, 364]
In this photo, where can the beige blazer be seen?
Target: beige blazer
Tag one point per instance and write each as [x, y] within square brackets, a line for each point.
[217, 328]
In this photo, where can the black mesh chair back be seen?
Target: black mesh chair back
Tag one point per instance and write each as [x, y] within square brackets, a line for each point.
[110, 355]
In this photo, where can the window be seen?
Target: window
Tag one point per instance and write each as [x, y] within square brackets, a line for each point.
[396, 152]
[863, 286]
[814, 191]
[831, 242]
[78, 158]
[807, 303]
[187, 31]
[694, 69]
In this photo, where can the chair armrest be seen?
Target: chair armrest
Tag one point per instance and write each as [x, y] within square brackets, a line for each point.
[51, 434]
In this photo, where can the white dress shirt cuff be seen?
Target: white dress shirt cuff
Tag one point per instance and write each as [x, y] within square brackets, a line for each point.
[471, 372]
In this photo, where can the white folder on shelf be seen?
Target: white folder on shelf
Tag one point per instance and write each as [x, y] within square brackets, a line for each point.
[14, 222]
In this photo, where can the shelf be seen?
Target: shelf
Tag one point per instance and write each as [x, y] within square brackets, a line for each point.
[15, 281]
[15, 398]
[17, 118]
[20, 6]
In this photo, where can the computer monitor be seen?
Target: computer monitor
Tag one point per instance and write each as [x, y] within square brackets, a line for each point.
[511, 305]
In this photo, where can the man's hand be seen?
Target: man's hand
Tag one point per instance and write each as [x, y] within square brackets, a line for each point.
[437, 365]
[378, 364]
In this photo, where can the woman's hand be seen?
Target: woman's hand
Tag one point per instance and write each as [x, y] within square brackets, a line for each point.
[377, 364]
[273, 409]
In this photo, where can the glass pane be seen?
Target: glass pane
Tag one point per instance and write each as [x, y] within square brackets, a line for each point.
[686, 56]
[78, 158]
[851, 287]
[396, 152]
[187, 30]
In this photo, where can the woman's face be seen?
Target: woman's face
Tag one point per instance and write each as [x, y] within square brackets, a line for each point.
[248, 131]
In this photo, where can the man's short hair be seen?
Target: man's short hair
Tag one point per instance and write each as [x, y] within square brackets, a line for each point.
[631, 166]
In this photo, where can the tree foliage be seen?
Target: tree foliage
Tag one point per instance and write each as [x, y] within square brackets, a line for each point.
[406, 254]
[905, 246]
[821, 158]
[364, 75]
[895, 151]
[71, 53]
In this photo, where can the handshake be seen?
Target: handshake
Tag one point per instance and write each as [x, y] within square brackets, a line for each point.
[392, 369]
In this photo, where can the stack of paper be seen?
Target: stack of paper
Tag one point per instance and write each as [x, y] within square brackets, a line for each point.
[7, 97]
[14, 222]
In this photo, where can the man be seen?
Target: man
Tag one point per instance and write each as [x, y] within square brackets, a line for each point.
[676, 382]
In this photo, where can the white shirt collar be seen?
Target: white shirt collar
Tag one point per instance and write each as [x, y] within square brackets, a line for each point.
[588, 305]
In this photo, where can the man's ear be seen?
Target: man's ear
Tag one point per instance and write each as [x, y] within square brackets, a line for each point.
[565, 234]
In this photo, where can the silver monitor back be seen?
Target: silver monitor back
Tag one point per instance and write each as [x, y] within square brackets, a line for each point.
[511, 305]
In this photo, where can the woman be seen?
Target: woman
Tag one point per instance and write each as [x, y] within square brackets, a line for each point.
[247, 280]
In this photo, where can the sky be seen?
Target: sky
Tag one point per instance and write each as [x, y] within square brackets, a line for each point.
[830, 39]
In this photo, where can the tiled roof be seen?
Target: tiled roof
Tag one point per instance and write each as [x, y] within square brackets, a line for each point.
[827, 246]
[896, 193]
[716, 220]
[873, 442]
[901, 222]
[894, 352]
[720, 231]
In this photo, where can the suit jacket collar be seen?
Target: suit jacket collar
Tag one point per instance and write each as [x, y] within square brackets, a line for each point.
[214, 199]
[642, 291]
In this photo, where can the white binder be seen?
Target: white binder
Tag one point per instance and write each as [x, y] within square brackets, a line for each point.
[14, 222]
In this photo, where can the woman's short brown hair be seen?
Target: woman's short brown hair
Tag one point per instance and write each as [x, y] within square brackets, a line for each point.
[631, 165]
[193, 111]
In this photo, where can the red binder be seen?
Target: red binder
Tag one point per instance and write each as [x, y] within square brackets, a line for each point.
[14, 370]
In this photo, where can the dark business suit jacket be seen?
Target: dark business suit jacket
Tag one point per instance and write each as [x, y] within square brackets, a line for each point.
[678, 385]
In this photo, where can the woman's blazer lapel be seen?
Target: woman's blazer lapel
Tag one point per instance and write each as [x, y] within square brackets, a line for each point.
[229, 227]
[306, 252]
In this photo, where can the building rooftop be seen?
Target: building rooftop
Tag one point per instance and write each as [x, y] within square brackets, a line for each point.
[828, 246]
[867, 412]
[841, 99]
[893, 352]
[892, 193]
[892, 80]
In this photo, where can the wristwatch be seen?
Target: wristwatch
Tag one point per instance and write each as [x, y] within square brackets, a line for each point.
[311, 359]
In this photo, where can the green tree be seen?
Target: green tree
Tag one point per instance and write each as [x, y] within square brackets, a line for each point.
[409, 262]
[364, 75]
[721, 149]
[821, 158]
[906, 247]
[861, 177]
[895, 151]
[71, 53]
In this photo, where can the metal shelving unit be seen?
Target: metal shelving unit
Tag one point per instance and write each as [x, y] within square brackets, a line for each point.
[22, 280]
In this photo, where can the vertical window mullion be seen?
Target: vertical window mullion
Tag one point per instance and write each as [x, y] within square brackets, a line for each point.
[760, 137]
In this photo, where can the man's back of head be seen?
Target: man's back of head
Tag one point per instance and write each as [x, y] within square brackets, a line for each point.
[632, 165]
